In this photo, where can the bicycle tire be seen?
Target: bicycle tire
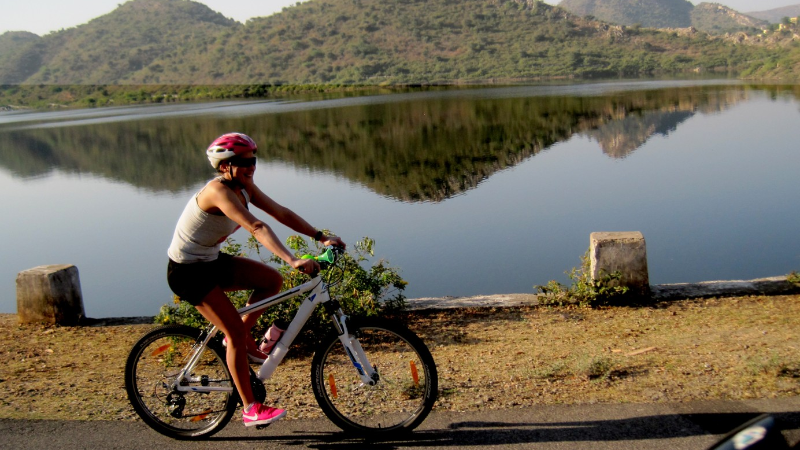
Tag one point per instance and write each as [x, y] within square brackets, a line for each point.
[154, 361]
[400, 400]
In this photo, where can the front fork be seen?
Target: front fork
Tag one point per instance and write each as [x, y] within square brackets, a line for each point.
[368, 373]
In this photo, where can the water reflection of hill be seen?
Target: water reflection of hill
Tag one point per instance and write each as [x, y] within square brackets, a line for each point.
[631, 129]
[621, 137]
[420, 150]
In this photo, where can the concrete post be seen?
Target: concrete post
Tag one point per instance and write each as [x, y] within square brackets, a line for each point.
[50, 294]
[625, 252]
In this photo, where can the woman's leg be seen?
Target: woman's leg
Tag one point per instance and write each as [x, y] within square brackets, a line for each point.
[218, 309]
[263, 279]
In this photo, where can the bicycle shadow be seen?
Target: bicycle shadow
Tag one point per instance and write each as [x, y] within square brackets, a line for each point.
[480, 433]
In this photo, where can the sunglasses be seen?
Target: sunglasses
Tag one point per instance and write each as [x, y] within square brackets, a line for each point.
[243, 162]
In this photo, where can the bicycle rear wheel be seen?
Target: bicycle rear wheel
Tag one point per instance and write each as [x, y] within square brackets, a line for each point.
[151, 369]
[401, 398]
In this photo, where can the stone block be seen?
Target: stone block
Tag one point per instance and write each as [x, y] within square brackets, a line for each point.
[50, 294]
[623, 251]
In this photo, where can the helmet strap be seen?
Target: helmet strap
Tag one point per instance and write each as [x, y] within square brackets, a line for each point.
[230, 182]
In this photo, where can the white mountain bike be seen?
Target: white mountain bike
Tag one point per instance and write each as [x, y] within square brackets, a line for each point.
[370, 375]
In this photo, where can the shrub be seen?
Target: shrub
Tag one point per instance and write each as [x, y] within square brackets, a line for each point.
[365, 292]
[598, 367]
[584, 290]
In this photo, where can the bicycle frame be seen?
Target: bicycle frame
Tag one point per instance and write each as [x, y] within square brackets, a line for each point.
[318, 295]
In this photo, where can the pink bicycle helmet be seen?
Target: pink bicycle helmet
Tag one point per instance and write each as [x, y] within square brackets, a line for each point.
[229, 145]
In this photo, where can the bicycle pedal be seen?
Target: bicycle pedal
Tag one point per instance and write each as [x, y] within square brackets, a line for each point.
[261, 427]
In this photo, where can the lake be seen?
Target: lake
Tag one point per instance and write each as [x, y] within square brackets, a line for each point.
[481, 190]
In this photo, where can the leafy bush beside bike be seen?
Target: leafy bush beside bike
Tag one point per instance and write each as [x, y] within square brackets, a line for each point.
[375, 291]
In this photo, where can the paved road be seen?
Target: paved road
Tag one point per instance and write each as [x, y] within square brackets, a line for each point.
[690, 426]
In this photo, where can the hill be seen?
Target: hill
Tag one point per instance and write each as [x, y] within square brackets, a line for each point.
[169, 42]
[718, 19]
[647, 13]
[776, 15]
[20, 56]
[709, 17]
[114, 47]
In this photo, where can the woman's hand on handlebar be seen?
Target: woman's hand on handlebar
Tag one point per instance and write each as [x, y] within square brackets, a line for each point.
[333, 240]
[307, 266]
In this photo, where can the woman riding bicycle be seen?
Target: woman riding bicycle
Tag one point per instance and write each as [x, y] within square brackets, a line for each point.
[200, 274]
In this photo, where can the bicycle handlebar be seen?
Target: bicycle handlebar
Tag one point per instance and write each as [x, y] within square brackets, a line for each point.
[326, 258]
[329, 255]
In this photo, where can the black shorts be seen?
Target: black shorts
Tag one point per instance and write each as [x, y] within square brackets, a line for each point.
[193, 281]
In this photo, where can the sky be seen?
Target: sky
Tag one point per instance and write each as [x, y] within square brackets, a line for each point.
[45, 16]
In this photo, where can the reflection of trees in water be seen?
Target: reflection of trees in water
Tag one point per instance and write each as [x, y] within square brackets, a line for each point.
[157, 155]
[431, 150]
[423, 150]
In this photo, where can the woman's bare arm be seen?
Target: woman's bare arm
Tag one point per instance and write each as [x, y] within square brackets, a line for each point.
[218, 197]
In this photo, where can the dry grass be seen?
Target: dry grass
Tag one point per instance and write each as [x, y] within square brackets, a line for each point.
[732, 348]
[691, 350]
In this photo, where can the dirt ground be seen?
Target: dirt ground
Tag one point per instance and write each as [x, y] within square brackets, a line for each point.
[731, 348]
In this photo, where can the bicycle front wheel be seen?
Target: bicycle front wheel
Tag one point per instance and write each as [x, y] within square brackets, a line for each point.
[150, 377]
[401, 397]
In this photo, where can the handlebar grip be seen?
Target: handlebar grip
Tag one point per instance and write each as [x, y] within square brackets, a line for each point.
[327, 258]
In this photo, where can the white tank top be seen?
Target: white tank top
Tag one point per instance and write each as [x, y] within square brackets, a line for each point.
[199, 235]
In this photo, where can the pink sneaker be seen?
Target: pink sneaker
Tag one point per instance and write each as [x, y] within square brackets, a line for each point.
[262, 415]
[253, 357]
